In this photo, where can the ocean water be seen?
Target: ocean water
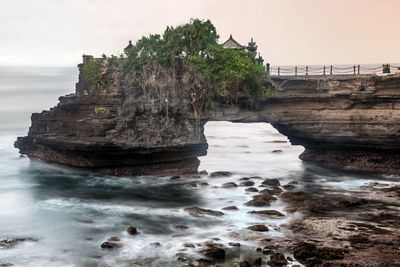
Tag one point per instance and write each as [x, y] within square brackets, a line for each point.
[68, 214]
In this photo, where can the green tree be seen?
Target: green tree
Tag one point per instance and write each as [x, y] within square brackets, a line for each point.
[92, 73]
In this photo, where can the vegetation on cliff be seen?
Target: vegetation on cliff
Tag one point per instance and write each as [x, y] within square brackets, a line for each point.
[92, 73]
[188, 57]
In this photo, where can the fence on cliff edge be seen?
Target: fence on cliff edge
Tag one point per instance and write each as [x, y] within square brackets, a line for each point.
[333, 70]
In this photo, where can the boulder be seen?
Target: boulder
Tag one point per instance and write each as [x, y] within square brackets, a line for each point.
[261, 201]
[246, 183]
[198, 212]
[277, 260]
[214, 252]
[271, 191]
[271, 182]
[272, 213]
[132, 230]
[258, 228]
[230, 208]
[181, 227]
[251, 190]
[229, 185]
[310, 255]
[220, 174]
[110, 245]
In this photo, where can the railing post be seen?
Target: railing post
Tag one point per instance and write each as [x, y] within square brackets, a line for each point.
[331, 70]
[354, 69]
[306, 70]
[324, 71]
[358, 69]
[268, 69]
[279, 71]
[295, 71]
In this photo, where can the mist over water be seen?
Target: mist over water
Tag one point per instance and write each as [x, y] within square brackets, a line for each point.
[70, 213]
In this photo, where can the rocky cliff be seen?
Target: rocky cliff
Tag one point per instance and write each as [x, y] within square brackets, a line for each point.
[130, 127]
[347, 122]
[122, 128]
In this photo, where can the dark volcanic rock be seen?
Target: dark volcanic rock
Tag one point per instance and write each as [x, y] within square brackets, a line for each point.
[277, 260]
[272, 213]
[11, 242]
[198, 212]
[271, 182]
[271, 191]
[289, 186]
[258, 228]
[246, 183]
[261, 201]
[181, 227]
[220, 174]
[214, 252]
[245, 263]
[229, 185]
[258, 261]
[230, 208]
[110, 245]
[310, 255]
[202, 262]
[251, 190]
[132, 230]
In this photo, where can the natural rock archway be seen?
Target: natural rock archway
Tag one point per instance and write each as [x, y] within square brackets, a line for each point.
[348, 122]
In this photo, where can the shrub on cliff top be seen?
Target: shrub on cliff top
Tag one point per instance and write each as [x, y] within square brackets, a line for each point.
[232, 73]
[92, 73]
[211, 70]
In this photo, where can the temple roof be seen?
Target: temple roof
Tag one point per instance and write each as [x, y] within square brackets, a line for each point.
[232, 43]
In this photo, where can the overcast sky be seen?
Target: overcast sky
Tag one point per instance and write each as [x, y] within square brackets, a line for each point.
[58, 32]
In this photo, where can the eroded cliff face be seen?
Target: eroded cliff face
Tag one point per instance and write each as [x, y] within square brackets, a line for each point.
[351, 123]
[122, 128]
[134, 127]
[347, 122]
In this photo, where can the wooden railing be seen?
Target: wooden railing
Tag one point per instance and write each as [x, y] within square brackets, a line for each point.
[333, 70]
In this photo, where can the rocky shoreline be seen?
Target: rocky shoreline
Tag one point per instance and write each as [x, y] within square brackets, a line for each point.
[327, 226]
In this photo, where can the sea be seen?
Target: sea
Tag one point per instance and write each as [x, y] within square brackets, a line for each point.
[65, 214]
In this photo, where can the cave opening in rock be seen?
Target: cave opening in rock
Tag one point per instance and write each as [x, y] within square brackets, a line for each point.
[249, 147]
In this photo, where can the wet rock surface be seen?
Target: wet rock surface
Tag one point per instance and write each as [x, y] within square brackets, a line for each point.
[198, 212]
[258, 228]
[13, 241]
[271, 213]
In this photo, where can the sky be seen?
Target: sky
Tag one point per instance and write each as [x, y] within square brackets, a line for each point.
[288, 32]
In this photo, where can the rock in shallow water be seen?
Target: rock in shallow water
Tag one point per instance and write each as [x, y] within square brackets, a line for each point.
[272, 213]
[310, 255]
[229, 185]
[261, 201]
[110, 245]
[230, 208]
[132, 230]
[11, 242]
[198, 212]
[251, 190]
[271, 182]
[246, 183]
[220, 174]
[258, 228]
[277, 260]
[214, 252]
